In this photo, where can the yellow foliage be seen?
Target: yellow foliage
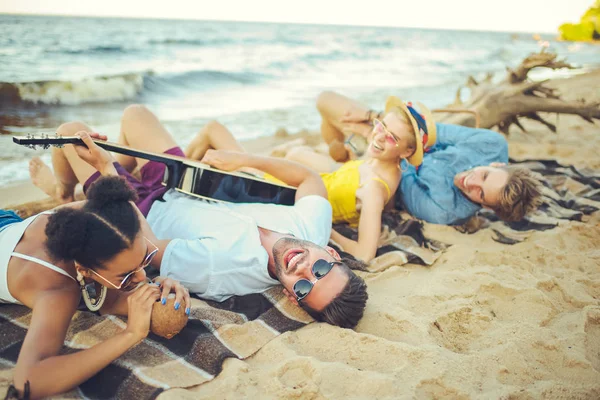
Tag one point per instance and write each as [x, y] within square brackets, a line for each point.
[587, 29]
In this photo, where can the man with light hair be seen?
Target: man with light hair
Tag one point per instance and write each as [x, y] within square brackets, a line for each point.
[511, 192]
[464, 171]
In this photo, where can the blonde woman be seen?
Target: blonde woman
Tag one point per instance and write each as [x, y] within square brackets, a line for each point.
[357, 190]
[463, 171]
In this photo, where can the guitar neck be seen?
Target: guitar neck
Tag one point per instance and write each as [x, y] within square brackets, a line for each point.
[110, 146]
[128, 151]
[189, 176]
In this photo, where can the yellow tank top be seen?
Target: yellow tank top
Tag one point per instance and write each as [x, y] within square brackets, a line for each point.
[341, 186]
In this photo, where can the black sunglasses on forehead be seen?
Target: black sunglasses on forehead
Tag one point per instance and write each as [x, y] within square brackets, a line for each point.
[319, 269]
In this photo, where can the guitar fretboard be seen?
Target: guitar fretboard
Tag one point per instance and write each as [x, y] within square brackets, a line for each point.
[110, 146]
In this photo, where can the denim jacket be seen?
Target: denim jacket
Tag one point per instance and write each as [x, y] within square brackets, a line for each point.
[429, 193]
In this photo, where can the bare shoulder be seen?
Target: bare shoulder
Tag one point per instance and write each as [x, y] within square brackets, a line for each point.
[36, 283]
[28, 279]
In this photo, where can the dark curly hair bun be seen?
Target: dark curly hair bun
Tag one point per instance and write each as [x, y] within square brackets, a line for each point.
[94, 234]
[110, 189]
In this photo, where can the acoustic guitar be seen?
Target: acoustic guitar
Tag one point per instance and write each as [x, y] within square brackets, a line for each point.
[188, 176]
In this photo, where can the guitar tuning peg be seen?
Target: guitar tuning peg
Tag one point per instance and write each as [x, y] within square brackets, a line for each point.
[31, 146]
[46, 146]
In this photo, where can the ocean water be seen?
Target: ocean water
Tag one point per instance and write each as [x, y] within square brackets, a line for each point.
[253, 77]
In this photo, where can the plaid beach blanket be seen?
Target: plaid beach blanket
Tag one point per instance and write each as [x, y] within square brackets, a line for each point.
[240, 326]
[401, 241]
[237, 328]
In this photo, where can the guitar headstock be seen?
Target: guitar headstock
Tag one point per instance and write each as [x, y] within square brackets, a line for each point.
[45, 140]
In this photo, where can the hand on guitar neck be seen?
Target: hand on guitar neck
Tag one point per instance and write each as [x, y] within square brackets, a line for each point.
[93, 154]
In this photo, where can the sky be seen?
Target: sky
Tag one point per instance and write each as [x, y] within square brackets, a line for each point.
[541, 16]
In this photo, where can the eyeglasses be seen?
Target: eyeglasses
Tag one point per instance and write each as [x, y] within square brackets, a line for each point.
[319, 269]
[126, 280]
[379, 127]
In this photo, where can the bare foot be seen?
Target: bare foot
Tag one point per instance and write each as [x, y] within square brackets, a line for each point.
[42, 177]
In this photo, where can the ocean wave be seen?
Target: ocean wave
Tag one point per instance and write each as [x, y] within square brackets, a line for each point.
[377, 43]
[189, 42]
[89, 90]
[90, 50]
[199, 79]
[333, 55]
[120, 87]
[500, 54]
[221, 41]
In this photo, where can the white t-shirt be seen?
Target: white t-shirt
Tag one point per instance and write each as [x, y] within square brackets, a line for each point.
[215, 249]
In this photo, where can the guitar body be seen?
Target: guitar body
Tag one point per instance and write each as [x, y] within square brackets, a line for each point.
[216, 185]
[192, 177]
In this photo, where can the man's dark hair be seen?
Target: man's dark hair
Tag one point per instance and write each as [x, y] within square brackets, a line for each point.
[348, 307]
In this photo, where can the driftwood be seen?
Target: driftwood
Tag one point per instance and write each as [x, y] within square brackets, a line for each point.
[506, 102]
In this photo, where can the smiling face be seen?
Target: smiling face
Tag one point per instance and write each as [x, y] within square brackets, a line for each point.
[294, 259]
[391, 139]
[482, 185]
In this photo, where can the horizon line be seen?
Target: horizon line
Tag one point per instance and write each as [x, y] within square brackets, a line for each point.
[27, 14]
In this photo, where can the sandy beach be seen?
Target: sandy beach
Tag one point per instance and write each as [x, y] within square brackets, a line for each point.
[486, 321]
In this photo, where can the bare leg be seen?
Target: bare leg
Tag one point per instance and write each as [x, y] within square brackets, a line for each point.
[213, 135]
[282, 149]
[141, 130]
[332, 107]
[216, 136]
[331, 112]
[69, 169]
[308, 157]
